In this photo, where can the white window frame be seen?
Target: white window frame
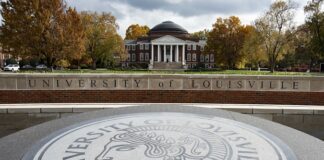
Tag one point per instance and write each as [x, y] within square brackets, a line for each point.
[207, 58]
[142, 57]
[147, 46]
[202, 58]
[202, 47]
[206, 66]
[134, 57]
[129, 58]
[212, 58]
[194, 57]
[194, 47]
[133, 47]
[147, 56]
[189, 57]
[189, 47]
[141, 47]
[194, 65]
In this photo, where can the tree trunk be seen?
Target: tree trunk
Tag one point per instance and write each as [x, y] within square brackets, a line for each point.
[50, 63]
[310, 65]
[273, 66]
[94, 65]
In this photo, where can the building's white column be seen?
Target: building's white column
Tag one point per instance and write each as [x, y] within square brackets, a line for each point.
[183, 55]
[171, 53]
[152, 54]
[159, 53]
[177, 54]
[164, 54]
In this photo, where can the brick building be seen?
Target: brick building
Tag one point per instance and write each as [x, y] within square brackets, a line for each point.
[167, 46]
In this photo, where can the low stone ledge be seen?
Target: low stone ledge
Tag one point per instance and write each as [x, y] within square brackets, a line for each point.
[314, 119]
[82, 110]
[288, 119]
[240, 110]
[268, 111]
[319, 112]
[24, 110]
[56, 110]
[264, 116]
[298, 111]
[3, 111]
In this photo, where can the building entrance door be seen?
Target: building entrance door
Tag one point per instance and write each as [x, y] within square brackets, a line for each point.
[168, 57]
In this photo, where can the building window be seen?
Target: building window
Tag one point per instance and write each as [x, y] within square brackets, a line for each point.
[134, 57]
[212, 59]
[194, 57]
[194, 47]
[194, 66]
[206, 66]
[202, 58]
[188, 47]
[147, 47]
[189, 57]
[189, 66]
[147, 57]
[202, 48]
[141, 57]
[128, 57]
[133, 47]
[207, 58]
[141, 47]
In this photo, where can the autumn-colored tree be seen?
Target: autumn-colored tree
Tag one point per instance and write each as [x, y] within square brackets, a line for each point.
[315, 27]
[102, 39]
[274, 30]
[226, 41]
[253, 53]
[45, 29]
[200, 34]
[135, 31]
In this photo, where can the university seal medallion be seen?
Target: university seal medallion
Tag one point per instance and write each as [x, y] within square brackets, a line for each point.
[161, 136]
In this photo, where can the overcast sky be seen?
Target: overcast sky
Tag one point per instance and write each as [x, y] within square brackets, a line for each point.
[194, 15]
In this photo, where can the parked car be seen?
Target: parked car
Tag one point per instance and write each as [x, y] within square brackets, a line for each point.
[12, 67]
[27, 67]
[41, 67]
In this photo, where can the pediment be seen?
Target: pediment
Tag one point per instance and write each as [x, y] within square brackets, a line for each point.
[168, 39]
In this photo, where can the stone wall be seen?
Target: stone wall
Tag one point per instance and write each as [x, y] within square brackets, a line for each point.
[100, 88]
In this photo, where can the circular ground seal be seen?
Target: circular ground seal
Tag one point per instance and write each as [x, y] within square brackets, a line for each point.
[161, 136]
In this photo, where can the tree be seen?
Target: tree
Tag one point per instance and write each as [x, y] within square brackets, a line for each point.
[45, 29]
[226, 41]
[315, 28]
[253, 52]
[200, 34]
[102, 40]
[135, 31]
[275, 28]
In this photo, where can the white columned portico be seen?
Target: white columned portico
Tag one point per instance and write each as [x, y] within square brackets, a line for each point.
[159, 53]
[183, 55]
[171, 53]
[164, 58]
[152, 54]
[177, 54]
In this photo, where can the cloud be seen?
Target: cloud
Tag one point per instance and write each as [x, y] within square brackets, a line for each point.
[188, 8]
[194, 15]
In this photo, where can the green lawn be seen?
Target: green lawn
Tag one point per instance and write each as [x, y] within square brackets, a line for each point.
[230, 72]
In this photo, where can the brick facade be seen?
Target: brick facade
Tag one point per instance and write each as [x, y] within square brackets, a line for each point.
[141, 96]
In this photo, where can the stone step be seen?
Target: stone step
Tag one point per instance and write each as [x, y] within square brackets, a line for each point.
[162, 65]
